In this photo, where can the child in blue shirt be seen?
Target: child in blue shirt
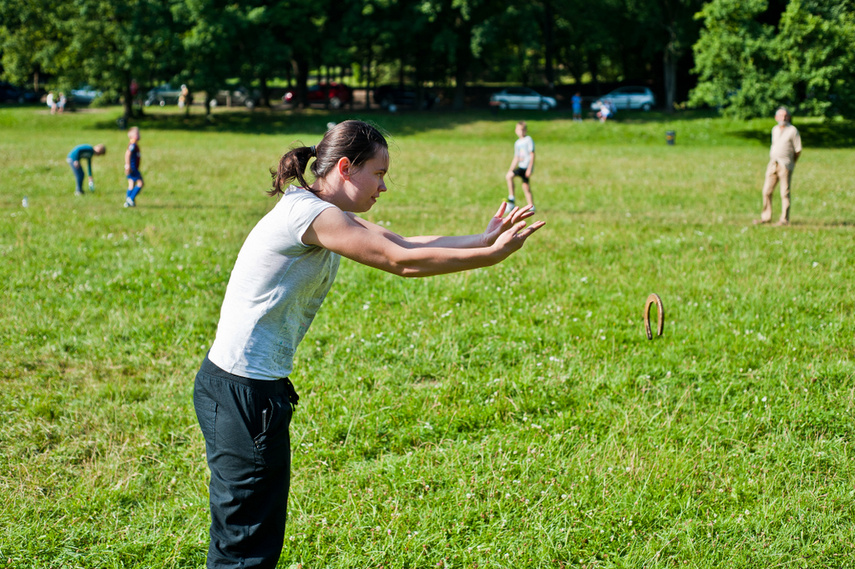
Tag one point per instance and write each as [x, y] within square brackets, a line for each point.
[132, 167]
[79, 153]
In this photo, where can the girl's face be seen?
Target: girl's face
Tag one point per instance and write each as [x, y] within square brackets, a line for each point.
[366, 182]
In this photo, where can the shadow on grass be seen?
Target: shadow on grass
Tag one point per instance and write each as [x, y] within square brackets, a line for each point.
[630, 117]
[836, 134]
[278, 122]
[827, 134]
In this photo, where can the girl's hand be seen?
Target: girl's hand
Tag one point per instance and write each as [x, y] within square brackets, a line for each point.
[513, 239]
[499, 224]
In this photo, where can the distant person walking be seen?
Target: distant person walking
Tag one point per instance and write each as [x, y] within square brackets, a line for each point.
[50, 101]
[576, 101]
[522, 165]
[132, 167]
[60, 105]
[783, 154]
[74, 159]
[243, 397]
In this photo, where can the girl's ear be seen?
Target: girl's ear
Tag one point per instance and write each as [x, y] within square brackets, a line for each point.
[343, 167]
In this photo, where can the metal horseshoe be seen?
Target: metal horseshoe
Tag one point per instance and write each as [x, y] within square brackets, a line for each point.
[651, 300]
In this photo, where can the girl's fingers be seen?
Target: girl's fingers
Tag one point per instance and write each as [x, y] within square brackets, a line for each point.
[531, 229]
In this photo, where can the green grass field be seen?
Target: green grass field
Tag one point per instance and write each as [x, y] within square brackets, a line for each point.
[510, 417]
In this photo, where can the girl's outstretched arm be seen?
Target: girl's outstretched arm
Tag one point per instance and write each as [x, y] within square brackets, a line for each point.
[496, 226]
[377, 247]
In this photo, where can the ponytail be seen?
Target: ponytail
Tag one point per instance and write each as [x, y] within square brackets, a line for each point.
[291, 166]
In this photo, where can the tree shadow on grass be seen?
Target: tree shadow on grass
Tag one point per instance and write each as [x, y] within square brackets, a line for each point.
[827, 134]
[278, 122]
[837, 134]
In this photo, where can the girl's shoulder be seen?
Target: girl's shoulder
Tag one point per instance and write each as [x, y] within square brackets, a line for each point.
[301, 202]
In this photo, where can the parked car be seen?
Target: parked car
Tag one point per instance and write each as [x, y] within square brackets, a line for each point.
[336, 94]
[628, 98]
[11, 94]
[522, 98]
[388, 95]
[163, 95]
[239, 96]
[84, 95]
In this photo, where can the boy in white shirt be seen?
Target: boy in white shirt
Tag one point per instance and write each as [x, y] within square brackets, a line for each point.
[522, 165]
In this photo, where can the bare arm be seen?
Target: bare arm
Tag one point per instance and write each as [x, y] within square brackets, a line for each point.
[127, 159]
[495, 227]
[530, 168]
[380, 248]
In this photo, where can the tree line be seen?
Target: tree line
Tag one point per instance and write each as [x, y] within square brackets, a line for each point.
[742, 56]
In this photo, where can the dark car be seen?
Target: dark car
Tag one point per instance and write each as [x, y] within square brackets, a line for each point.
[238, 96]
[336, 94]
[388, 95]
[11, 94]
[84, 95]
[163, 95]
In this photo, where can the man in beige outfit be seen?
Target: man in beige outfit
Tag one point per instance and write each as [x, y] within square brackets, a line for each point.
[785, 151]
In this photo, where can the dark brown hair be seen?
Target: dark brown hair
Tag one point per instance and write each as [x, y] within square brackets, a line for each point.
[356, 140]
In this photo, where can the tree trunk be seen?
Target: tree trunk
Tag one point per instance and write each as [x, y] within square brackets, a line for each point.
[128, 98]
[462, 51]
[265, 92]
[368, 85]
[301, 66]
[594, 70]
[549, 44]
[669, 72]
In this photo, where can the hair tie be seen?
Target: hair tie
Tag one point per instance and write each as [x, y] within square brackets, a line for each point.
[313, 151]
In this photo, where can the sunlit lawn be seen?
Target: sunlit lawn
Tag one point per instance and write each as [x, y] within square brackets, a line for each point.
[515, 416]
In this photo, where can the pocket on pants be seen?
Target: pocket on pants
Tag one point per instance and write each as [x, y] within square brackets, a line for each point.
[273, 443]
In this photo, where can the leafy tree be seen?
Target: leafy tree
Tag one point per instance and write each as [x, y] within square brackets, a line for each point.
[748, 67]
[455, 23]
[99, 42]
[303, 27]
[209, 43]
[586, 37]
[262, 51]
[507, 51]
[816, 47]
[30, 37]
[663, 29]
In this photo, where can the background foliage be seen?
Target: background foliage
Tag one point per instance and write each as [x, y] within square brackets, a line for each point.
[746, 57]
[748, 67]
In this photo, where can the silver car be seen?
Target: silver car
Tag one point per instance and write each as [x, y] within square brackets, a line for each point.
[628, 98]
[521, 98]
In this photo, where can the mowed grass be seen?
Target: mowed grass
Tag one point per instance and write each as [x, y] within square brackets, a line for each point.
[515, 416]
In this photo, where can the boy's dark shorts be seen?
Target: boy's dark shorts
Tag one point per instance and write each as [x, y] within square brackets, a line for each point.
[135, 176]
[521, 173]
